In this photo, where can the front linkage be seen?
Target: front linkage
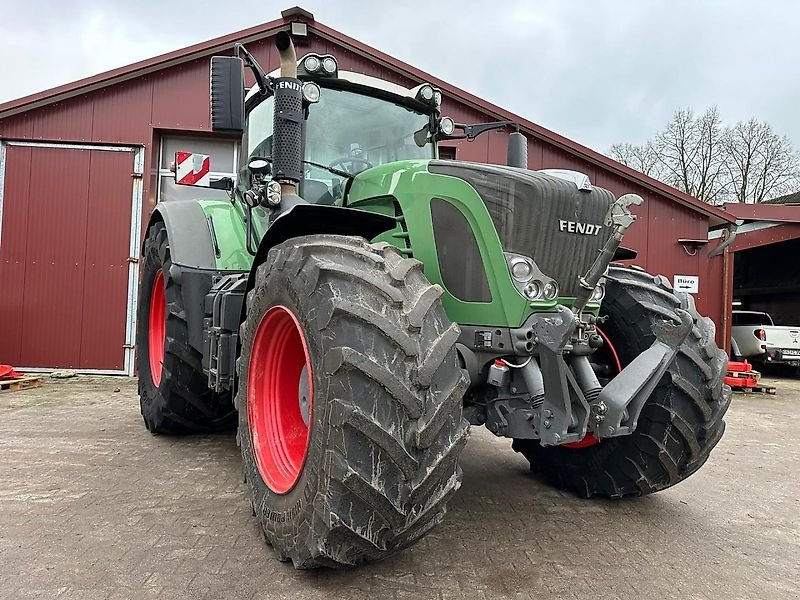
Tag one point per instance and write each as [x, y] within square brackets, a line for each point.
[565, 399]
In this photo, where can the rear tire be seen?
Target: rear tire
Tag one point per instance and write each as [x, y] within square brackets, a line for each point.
[174, 399]
[385, 429]
[681, 421]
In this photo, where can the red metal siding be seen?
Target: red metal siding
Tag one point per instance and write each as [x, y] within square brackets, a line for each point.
[13, 243]
[555, 158]
[111, 119]
[54, 257]
[105, 274]
[17, 127]
[70, 120]
[764, 237]
[180, 97]
[63, 253]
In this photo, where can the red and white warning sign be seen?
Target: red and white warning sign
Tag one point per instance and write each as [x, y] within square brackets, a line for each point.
[192, 169]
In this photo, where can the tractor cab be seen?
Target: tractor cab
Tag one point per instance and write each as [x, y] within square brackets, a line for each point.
[351, 122]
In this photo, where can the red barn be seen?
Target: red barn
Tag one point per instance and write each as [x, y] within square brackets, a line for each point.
[83, 164]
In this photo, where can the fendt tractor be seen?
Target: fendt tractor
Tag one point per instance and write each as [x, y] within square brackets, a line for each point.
[356, 303]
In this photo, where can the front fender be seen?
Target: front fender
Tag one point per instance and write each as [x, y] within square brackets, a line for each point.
[318, 219]
[204, 234]
[190, 241]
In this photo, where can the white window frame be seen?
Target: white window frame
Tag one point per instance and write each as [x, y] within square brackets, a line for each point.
[214, 175]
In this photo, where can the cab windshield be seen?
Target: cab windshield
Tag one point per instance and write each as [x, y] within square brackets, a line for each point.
[348, 132]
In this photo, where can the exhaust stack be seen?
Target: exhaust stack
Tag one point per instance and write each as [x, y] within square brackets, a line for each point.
[286, 51]
[287, 145]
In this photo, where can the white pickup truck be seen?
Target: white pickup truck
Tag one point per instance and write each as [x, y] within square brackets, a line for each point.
[756, 338]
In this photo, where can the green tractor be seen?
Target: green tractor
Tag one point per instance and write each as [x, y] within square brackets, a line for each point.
[357, 303]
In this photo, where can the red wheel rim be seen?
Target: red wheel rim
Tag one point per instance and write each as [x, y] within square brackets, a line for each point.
[279, 390]
[589, 439]
[157, 328]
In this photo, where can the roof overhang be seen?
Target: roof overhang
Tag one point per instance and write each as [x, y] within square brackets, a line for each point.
[764, 233]
[764, 212]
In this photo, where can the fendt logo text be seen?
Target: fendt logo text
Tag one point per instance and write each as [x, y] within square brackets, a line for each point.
[288, 84]
[576, 227]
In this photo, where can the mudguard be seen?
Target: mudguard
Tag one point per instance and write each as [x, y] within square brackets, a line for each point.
[206, 242]
[190, 240]
[319, 219]
[205, 234]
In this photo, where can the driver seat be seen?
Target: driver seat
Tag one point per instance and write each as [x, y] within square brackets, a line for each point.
[316, 192]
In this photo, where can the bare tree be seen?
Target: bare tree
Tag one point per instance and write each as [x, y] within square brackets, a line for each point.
[690, 152]
[748, 162]
[759, 163]
[643, 158]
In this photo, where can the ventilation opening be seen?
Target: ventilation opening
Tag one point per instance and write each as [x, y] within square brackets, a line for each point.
[460, 263]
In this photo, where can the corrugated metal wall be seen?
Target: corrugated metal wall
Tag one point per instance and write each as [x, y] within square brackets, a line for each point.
[136, 112]
[64, 257]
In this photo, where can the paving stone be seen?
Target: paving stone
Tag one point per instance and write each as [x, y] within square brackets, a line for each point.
[93, 506]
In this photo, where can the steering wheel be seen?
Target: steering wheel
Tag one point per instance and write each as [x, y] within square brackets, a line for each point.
[342, 163]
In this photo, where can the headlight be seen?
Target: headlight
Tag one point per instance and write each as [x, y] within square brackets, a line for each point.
[447, 126]
[311, 92]
[426, 93]
[533, 291]
[521, 269]
[550, 290]
[437, 98]
[259, 165]
[329, 65]
[311, 64]
[598, 293]
[529, 280]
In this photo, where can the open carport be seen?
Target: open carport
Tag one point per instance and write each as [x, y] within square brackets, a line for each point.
[766, 273]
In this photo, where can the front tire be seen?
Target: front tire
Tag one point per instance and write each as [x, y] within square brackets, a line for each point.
[173, 391]
[680, 423]
[349, 403]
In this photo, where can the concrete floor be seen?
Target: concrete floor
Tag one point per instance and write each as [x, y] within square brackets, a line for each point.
[93, 506]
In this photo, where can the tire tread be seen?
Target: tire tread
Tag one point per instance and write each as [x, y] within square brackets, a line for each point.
[680, 423]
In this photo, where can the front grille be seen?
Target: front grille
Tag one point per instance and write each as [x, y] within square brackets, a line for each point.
[540, 216]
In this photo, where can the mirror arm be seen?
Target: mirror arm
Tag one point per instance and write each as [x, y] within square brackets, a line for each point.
[262, 79]
[453, 136]
[225, 183]
[470, 132]
[473, 131]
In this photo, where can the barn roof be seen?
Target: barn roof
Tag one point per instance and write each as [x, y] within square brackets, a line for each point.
[788, 199]
[715, 215]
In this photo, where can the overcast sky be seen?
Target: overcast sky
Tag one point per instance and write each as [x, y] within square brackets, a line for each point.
[596, 71]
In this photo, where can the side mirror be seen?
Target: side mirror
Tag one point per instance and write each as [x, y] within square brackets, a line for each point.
[517, 151]
[227, 94]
